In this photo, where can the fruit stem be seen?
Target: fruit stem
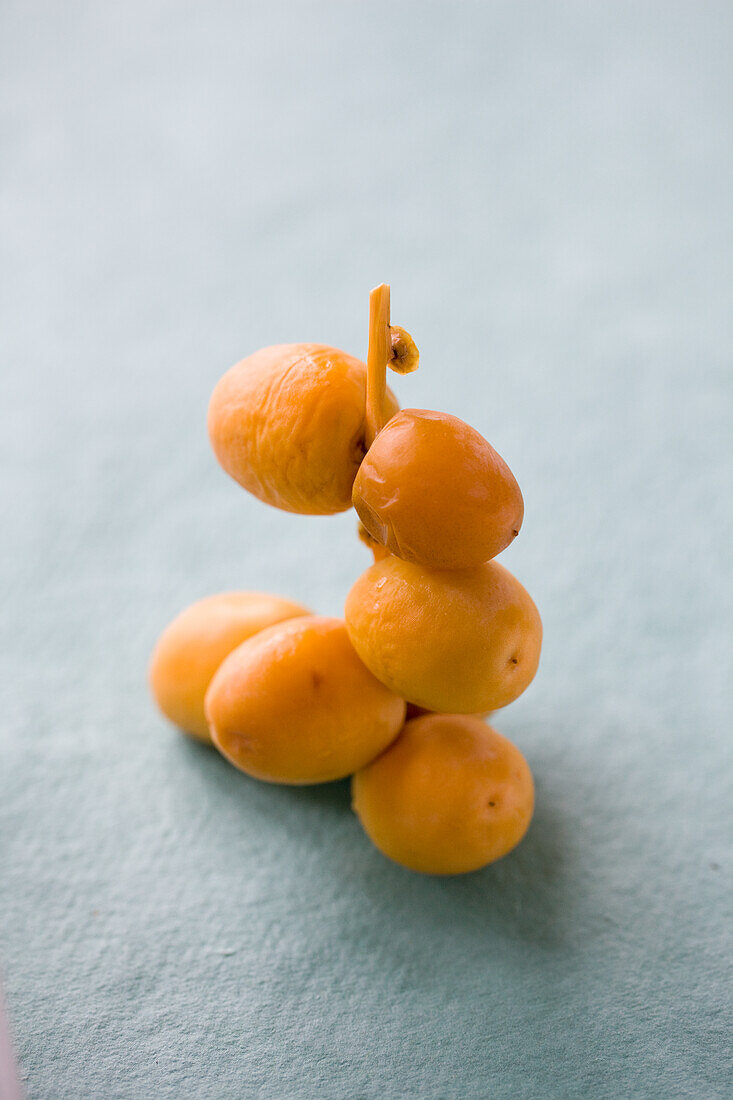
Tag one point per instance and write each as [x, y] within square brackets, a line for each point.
[378, 355]
[376, 548]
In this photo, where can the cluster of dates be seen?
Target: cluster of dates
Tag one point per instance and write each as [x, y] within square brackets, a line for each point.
[436, 634]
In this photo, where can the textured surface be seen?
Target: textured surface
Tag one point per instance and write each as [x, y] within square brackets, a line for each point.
[548, 189]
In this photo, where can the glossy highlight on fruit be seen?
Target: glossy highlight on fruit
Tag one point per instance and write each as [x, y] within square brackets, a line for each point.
[450, 795]
[289, 424]
[462, 641]
[296, 705]
[433, 491]
[194, 644]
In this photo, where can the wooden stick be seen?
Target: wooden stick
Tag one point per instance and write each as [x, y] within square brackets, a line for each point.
[379, 354]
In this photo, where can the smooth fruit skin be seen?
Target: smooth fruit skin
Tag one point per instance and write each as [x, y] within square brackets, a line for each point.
[463, 641]
[288, 424]
[296, 705]
[433, 491]
[191, 648]
[448, 796]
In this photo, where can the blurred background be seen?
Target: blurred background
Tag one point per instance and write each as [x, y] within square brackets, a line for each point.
[547, 187]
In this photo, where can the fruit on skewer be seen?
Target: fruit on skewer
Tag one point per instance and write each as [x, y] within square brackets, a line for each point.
[289, 424]
[454, 641]
[290, 697]
[295, 705]
[448, 796]
[194, 644]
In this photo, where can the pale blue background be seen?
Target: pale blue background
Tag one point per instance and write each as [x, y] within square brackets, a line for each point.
[548, 188]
